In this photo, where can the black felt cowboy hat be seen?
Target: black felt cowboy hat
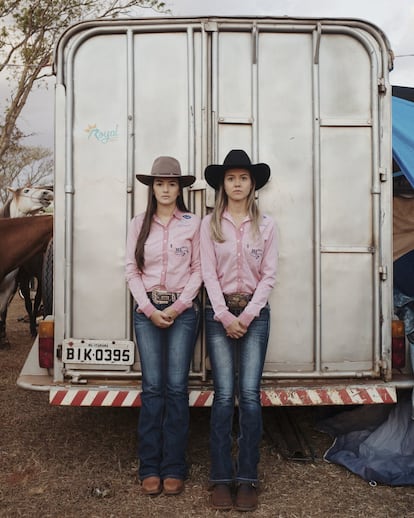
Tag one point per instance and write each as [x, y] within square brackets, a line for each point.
[237, 159]
[166, 167]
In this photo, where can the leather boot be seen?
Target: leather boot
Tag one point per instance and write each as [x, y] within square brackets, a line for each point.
[151, 486]
[173, 486]
[246, 498]
[221, 497]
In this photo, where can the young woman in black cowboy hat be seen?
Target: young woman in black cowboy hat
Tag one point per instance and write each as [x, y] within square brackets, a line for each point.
[164, 276]
[238, 259]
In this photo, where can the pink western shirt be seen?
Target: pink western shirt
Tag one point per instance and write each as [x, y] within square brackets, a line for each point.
[242, 264]
[172, 260]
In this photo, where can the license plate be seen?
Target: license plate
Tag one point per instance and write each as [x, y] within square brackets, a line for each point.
[98, 352]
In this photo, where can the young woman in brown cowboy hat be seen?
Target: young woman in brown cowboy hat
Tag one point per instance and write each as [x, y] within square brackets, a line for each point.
[164, 276]
[238, 259]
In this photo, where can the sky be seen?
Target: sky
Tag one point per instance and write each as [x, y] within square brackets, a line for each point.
[394, 17]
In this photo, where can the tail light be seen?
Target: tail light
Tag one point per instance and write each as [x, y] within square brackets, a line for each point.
[46, 341]
[398, 344]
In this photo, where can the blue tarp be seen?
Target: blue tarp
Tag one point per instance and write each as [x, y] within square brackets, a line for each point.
[380, 449]
[403, 136]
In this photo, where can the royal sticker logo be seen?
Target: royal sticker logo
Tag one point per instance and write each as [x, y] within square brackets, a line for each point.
[102, 136]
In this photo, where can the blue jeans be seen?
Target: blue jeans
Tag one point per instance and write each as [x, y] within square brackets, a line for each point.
[164, 416]
[237, 367]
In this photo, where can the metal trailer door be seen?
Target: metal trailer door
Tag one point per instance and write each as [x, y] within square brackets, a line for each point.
[304, 97]
[91, 186]
[126, 93]
[169, 115]
[299, 95]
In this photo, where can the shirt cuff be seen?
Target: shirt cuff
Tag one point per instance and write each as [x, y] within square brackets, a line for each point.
[226, 318]
[179, 306]
[246, 318]
[148, 310]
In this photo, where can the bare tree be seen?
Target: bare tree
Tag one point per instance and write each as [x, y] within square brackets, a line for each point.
[28, 31]
[24, 165]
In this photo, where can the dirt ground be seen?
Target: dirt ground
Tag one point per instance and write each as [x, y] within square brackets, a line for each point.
[70, 462]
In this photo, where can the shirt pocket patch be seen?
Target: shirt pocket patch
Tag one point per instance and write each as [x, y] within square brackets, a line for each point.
[181, 251]
[256, 253]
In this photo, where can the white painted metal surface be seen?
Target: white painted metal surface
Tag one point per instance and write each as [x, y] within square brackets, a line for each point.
[309, 97]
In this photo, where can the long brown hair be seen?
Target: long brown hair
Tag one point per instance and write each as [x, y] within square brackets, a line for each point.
[147, 222]
[220, 206]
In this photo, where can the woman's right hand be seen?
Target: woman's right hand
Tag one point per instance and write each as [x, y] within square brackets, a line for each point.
[160, 319]
[236, 329]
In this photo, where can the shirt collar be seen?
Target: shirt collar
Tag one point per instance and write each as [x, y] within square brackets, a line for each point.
[227, 215]
[177, 214]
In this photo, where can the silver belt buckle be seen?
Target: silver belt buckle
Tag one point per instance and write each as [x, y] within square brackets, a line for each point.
[236, 301]
[161, 297]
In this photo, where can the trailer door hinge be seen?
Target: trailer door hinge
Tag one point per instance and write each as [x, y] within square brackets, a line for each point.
[383, 271]
[382, 89]
[383, 175]
[385, 370]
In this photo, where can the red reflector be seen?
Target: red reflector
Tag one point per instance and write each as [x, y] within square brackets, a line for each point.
[46, 344]
[398, 344]
[46, 353]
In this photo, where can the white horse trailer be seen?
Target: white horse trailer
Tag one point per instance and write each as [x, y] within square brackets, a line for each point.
[312, 98]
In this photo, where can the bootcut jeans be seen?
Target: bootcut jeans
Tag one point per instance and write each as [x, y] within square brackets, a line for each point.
[237, 366]
[163, 424]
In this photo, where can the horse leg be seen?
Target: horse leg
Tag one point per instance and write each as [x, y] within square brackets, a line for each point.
[8, 288]
[24, 282]
[4, 341]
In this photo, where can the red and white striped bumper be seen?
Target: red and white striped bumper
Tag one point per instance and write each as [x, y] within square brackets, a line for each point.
[356, 395]
[95, 397]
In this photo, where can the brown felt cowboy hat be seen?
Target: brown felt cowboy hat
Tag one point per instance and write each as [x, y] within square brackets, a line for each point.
[237, 159]
[166, 167]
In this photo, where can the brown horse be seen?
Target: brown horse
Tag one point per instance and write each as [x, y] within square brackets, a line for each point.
[21, 239]
[24, 201]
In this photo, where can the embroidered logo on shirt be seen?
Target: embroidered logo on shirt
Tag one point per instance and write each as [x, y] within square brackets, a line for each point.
[186, 216]
[257, 253]
[181, 250]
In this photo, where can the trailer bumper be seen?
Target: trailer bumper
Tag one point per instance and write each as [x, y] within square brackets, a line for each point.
[295, 396]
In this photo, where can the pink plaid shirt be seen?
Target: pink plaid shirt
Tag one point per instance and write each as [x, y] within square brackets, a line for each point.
[242, 264]
[172, 260]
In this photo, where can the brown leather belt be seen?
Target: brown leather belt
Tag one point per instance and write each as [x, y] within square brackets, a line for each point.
[162, 298]
[237, 300]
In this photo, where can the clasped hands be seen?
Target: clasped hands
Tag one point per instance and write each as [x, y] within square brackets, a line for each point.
[164, 318]
[236, 329]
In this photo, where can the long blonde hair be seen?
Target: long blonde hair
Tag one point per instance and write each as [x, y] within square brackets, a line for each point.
[221, 205]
